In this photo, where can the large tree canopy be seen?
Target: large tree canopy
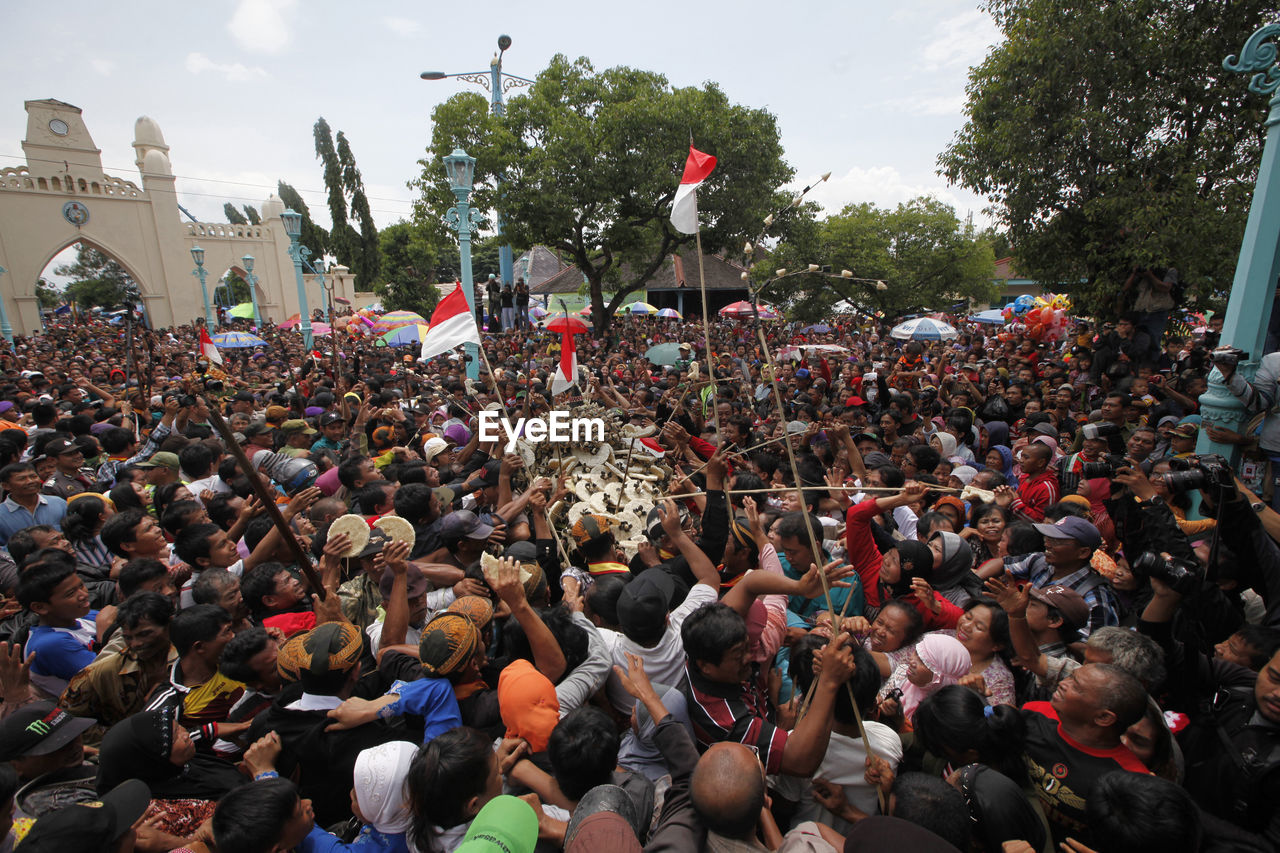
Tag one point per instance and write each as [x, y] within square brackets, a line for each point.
[920, 252]
[591, 160]
[1108, 135]
[97, 281]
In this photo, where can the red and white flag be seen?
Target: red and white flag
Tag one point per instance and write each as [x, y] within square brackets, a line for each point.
[684, 209]
[452, 323]
[567, 373]
[207, 349]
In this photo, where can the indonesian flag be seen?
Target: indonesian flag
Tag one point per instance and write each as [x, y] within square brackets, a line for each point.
[207, 349]
[452, 323]
[567, 373]
[684, 209]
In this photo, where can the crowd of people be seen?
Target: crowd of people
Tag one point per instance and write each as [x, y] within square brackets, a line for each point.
[975, 595]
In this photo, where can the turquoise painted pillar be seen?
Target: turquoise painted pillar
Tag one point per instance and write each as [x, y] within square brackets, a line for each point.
[1258, 269]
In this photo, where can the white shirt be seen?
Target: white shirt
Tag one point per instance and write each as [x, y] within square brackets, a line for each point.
[844, 765]
[663, 663]
[212, 483]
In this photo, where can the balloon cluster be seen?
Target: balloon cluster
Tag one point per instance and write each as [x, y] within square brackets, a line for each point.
[1041, 318]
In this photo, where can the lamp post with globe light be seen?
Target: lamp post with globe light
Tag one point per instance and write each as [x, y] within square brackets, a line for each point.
[293, 227]
[461, 170]
[197, 255]
[497, 82]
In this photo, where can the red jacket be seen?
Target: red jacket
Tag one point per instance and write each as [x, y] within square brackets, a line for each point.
[861, 548]
[1035, 495]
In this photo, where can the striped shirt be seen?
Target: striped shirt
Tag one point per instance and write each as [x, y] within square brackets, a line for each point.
[734, 712]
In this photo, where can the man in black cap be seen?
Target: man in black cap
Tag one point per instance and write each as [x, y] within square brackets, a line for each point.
[242, 402]
[258, 437]
[70, 476]
[45, 745]
[104, 825]
[333, 431]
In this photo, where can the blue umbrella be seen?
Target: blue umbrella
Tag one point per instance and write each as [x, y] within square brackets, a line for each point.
[237, 340]
[992, 317]
[663, 355]
[817, 328]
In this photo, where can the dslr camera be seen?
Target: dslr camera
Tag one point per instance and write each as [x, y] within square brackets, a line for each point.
[1105, 429]
[1210, 472]
[1104, 467]
[1182, 576]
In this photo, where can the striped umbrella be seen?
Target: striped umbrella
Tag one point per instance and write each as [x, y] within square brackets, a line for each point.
[537, 312]
[396, 319]
[237, 340]
[405, 335]
[670, 314]
[924, 329]
[642, 308]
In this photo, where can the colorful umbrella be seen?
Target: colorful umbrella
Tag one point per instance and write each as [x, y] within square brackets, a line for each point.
[817, 328]
[568, 324]
[924, 329]
[396, 319]
[238, 340]
[640, 308]
[663, 355]
[670, 314]
[537, 312]
[584, 311]
[321, 329]
[405, 335]
[745, 311]
[291, 322]
[244, 311]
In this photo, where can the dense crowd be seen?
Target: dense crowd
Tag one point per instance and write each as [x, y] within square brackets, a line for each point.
[966, 595]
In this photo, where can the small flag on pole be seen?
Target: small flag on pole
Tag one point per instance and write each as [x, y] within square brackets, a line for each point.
[452, 323]
[567, 374]
[684, 208]
[207, 349]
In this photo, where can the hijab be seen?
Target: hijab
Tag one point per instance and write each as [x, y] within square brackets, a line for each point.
[997, 433]
[957, 560]
[948, 660]
[999, 808]
[948, 442]
[380, 786]
[917, 562]
[138, 747]
[1006, 453]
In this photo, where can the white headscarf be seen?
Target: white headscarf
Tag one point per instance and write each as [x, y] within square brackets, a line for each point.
[380, 785]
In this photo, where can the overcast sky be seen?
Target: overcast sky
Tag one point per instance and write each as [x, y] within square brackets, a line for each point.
[869, 94]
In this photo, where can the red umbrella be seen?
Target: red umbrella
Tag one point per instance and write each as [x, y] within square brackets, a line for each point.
[743, 310]
[568, 324]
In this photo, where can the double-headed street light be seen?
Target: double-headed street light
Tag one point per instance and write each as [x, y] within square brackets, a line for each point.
[197, 255]
[497, 83]
[293, 227]
[461, 170]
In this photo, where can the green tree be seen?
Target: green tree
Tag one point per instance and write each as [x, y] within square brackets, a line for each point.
[313, 236]
[590, 163]
[96, 280]
[234, 216]
[923, 254]
[236, 286]
[48, 297]
[342, 237]
[252, 213]
[1108, 135]
[410, 266]
[365, 256]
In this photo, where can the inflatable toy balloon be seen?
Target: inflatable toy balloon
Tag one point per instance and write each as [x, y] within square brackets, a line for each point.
[1008, 314]
[1040, 302]
[1023, 304]
[1061, 302]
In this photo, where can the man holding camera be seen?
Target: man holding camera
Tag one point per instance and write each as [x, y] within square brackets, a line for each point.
[1260, 395]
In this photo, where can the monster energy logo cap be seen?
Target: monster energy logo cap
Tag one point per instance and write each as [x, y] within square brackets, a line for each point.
[39, 729]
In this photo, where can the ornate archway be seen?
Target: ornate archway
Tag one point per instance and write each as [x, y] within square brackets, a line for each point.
[63, 196]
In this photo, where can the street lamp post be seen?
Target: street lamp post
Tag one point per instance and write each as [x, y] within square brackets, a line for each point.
[497, 82]
[197, 255]
[1259, 263]
[293, 227]
[247, 260]
[461, 170]
[5, 328]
